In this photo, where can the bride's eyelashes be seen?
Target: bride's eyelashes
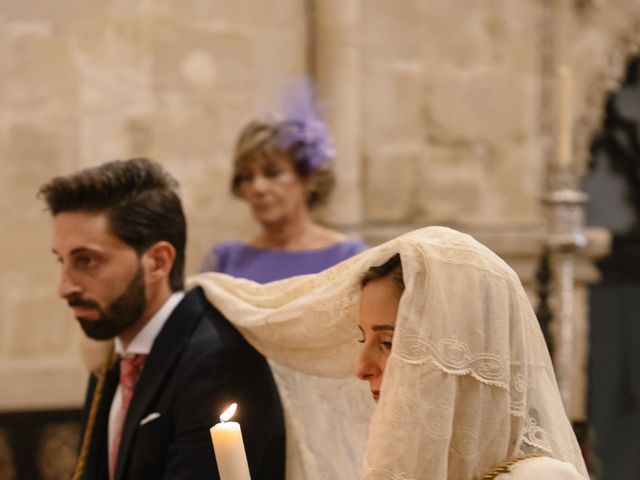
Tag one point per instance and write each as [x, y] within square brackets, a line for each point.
[383, 340]
[386, 343]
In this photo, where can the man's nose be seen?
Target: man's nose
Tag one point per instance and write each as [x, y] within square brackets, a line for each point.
[67, 285]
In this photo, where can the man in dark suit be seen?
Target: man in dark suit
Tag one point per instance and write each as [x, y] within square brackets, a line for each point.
[119, 236]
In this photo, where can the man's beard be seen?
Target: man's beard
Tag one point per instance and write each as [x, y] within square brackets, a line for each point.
[119, 315]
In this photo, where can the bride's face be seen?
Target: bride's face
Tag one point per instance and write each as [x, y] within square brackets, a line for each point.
[378, 309]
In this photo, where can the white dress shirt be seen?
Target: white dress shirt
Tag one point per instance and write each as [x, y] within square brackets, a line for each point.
[141, 344]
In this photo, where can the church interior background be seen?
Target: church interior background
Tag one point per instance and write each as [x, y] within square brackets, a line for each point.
[443, 113]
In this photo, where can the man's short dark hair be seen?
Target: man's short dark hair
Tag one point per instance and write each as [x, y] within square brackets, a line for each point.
[139, 198]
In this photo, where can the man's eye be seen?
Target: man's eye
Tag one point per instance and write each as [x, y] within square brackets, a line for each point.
[84, 262]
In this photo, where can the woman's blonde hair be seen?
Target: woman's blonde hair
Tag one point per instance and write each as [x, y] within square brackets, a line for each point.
[261, 139]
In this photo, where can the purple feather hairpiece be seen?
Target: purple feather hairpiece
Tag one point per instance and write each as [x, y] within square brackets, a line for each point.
[303, 126]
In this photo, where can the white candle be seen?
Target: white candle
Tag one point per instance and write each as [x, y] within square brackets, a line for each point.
[229, 448]
[564, 137]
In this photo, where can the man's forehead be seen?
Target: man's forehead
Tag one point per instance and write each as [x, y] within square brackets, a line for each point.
[83, 230]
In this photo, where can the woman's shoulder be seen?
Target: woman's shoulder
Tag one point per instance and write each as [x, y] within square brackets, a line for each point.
[223, 248]
[351, 246]
[231, 252]
[541, 467]
[218, 256]
[338, 239]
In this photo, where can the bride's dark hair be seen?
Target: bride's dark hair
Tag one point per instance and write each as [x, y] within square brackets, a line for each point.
[392, 268]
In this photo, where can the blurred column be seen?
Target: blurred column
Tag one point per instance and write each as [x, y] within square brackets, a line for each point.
[337, 64]
[565, 207]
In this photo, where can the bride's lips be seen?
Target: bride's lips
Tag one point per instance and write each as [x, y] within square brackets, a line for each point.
[376, 394]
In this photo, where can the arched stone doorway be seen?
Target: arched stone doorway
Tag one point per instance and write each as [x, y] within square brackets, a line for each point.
[613, 185]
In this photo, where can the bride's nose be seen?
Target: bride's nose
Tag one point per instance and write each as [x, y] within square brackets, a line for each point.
[366, 368]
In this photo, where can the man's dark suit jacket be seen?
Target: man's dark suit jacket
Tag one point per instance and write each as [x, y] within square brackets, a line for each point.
[198, 365]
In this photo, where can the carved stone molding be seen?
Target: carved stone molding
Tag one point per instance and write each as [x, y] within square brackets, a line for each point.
[615, 26]
[596, 39]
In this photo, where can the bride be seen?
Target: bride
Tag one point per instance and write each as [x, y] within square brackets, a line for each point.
[450, 350]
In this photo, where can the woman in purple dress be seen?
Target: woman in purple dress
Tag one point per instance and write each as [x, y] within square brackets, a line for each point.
[282, 168]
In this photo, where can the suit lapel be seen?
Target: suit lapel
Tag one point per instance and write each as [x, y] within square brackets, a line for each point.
[166, 349]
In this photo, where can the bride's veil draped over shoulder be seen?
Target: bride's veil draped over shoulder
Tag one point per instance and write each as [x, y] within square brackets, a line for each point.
[468, 383]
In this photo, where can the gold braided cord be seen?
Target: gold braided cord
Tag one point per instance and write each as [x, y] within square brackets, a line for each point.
[504, 466]
[91, 420]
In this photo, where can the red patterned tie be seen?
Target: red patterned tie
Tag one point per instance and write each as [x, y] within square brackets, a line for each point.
[130, 368]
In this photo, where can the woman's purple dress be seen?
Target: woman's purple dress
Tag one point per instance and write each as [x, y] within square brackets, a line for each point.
[265, 265]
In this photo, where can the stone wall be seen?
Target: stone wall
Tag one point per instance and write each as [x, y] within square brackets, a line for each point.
[442, 113]
[86, 82]
[451, 105]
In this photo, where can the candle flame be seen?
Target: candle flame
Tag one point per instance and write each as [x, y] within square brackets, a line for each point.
[228, 413]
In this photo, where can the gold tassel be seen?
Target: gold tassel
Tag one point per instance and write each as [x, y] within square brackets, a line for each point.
[91, 420]
[504, 466]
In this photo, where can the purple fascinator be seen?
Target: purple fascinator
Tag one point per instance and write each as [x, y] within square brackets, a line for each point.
[303, 126]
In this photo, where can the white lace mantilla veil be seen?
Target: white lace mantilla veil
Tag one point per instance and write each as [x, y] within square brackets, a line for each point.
[468, 384]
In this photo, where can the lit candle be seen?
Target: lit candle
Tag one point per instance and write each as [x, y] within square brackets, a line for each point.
[565, 118]
[227, 444]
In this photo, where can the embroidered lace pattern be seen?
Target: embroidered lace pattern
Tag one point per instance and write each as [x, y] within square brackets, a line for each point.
[468, 383]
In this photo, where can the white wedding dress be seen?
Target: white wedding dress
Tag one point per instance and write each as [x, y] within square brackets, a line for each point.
[541, 468]
[468, 383]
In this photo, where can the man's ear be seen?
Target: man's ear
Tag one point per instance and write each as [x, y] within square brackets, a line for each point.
[158, 260]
